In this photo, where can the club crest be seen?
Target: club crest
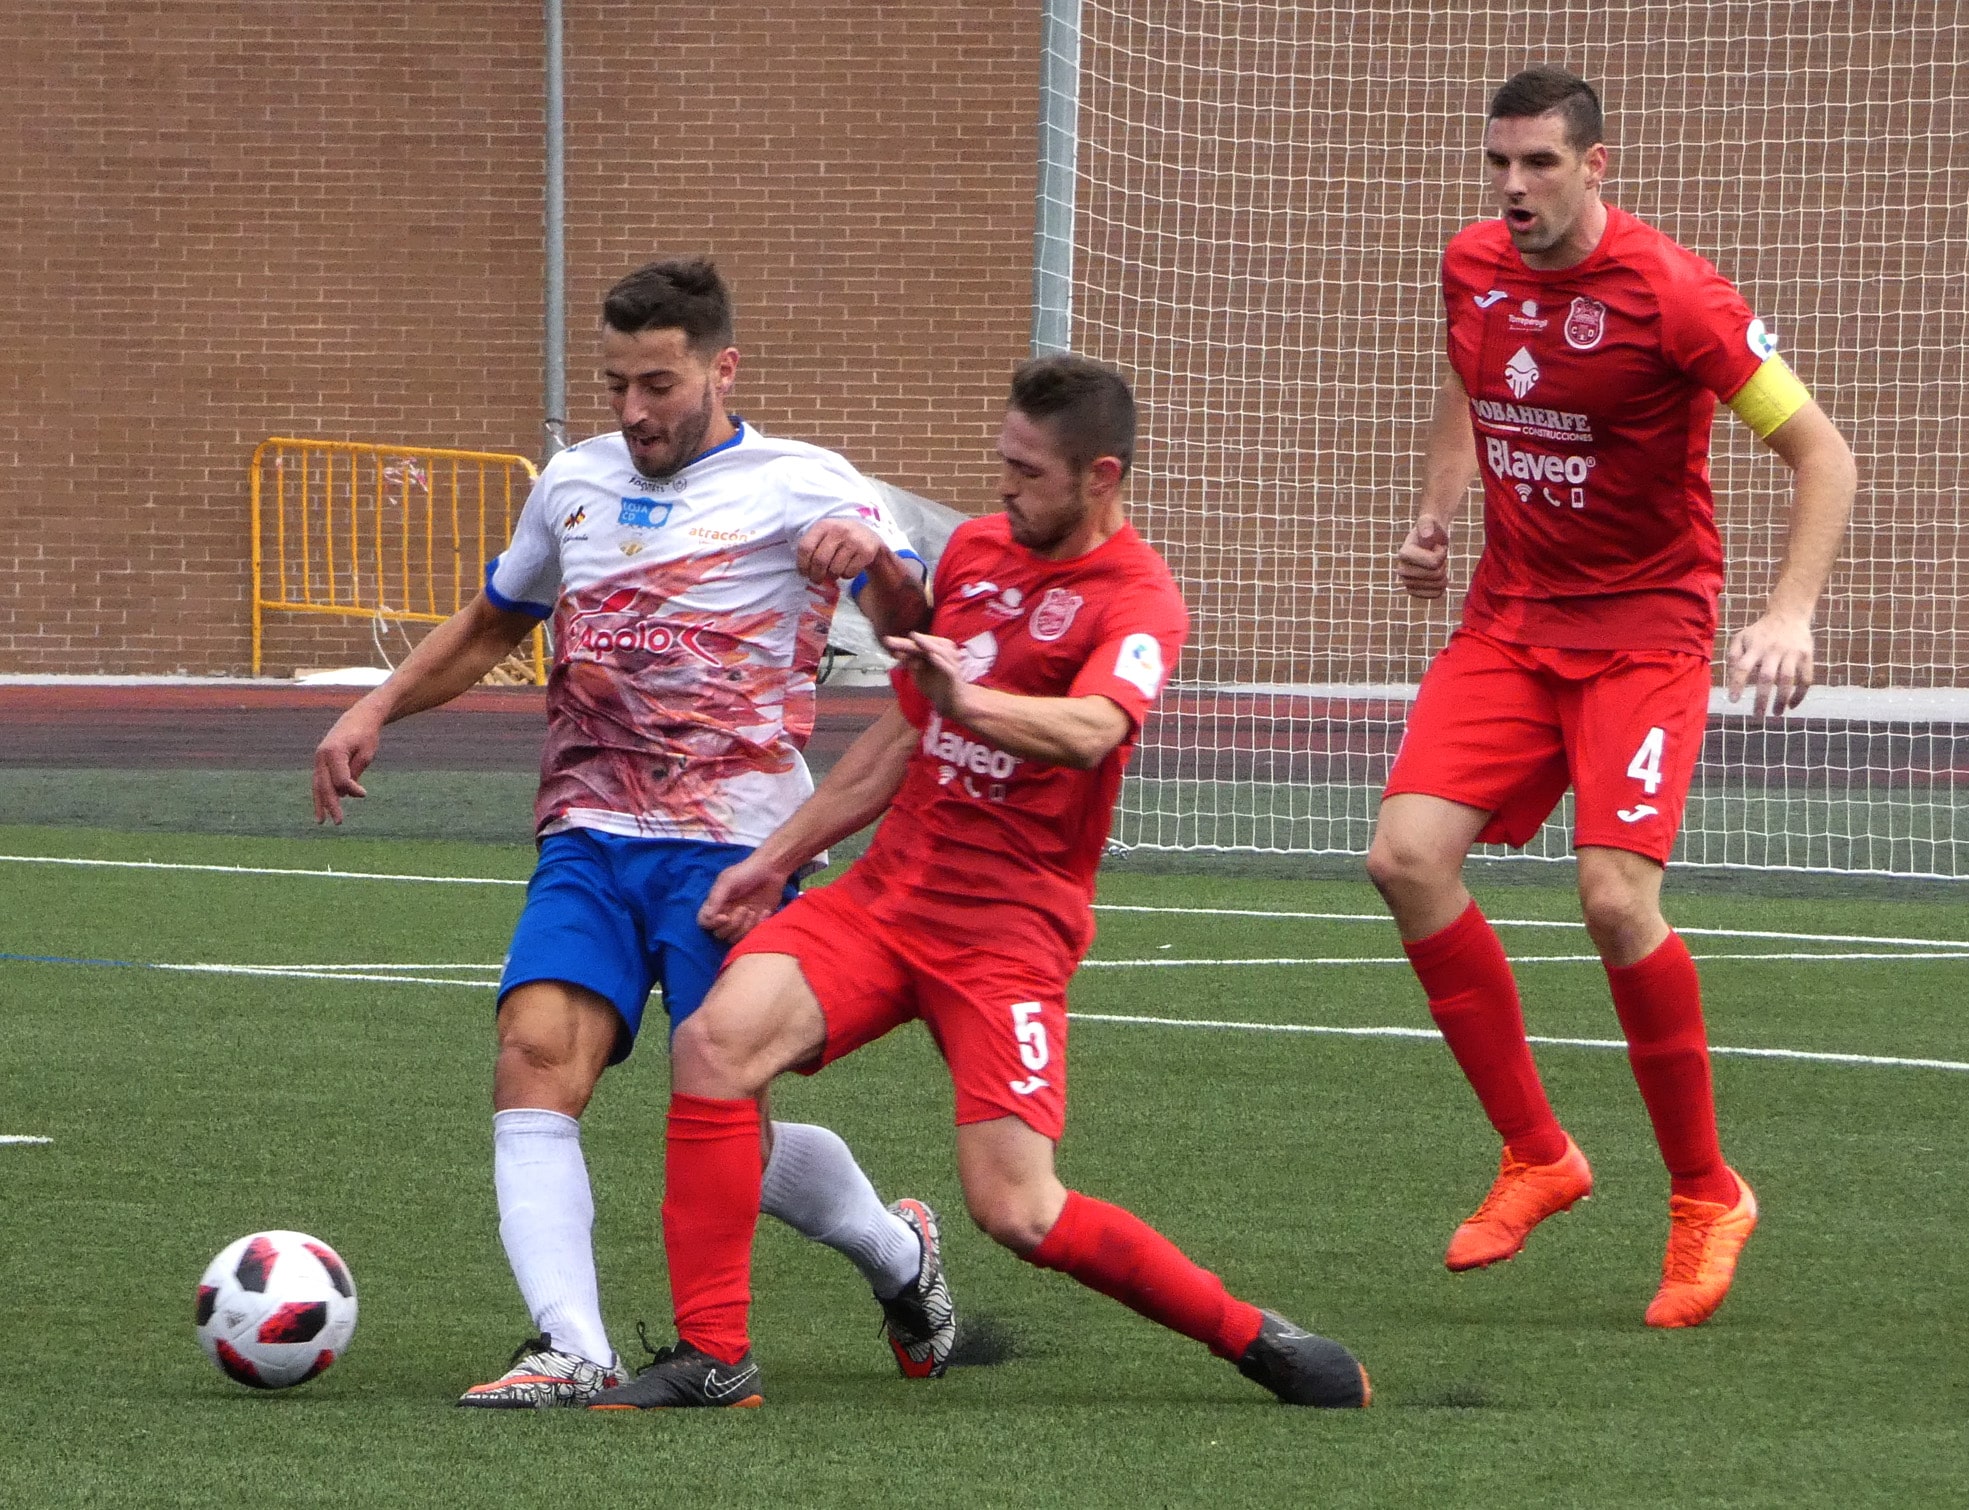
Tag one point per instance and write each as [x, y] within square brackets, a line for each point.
[1586, 322]
[1054, 615]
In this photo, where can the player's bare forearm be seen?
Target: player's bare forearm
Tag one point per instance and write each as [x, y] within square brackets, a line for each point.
[1824, 482]
[1069, 731]
[857, 791]
[1449, 460]
[452, 659]
[893, 598]
[449, 660]
[1449, 453]
[1774, 655]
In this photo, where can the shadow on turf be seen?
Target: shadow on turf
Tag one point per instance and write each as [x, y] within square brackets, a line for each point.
[984, 1342]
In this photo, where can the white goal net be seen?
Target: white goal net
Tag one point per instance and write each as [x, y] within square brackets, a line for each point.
[1262, 194]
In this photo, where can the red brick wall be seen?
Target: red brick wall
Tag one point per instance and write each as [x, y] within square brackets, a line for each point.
[247, 219]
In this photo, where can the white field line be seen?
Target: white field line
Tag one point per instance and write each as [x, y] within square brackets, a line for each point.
[1382, 917]
[22, 1138]
[257, 870]
[280, 972]
[1516, 959]
[1571, 1043]
[1228, 912]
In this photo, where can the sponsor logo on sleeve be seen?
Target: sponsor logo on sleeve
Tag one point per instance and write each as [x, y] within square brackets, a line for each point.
[1140, 664]
[1521, 372]
[1054, 615]
[645, 513]
[1586, 322]
[1762, 341]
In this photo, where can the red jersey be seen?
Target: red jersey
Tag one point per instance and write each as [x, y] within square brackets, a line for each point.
[983, 842]
[1592, 389]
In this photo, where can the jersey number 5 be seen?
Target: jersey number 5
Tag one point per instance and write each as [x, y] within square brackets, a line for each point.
[1645, 767]
[1031, 1034]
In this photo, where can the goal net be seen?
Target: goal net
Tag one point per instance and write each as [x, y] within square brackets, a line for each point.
[1262, 192]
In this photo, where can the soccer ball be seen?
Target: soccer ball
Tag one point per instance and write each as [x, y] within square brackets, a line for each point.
[275, 1309]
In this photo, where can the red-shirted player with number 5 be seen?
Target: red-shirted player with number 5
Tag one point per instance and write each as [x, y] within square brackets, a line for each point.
[1054, 630]
[1587, 352]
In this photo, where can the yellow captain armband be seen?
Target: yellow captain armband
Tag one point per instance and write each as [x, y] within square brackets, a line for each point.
[1771, 397]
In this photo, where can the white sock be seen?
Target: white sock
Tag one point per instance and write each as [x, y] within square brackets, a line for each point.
[813, 1184]
[546, 1220]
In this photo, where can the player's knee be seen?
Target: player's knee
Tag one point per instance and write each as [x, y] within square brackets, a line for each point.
[711, 1055]
[1614, 910]
[543, 1072]
[1400, 863]
[1014, 1214]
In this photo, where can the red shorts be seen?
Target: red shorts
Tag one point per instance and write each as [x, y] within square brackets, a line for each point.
[1507, 728]
[998, 1019]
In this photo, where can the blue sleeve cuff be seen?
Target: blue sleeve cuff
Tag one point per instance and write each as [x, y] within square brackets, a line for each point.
[855, 587]
[511, 605]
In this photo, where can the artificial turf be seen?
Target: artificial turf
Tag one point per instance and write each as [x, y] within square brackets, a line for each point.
[1320, 1174]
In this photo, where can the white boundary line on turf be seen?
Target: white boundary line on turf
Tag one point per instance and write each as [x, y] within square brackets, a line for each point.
[1381, 917]
[1429, 1034]
[22, 1138]
[1810, 1055]
[1516, 959]
[1961, 945]
[257, 870]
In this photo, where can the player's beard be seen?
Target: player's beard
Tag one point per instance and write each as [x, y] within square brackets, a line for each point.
[1045, 534]
[687, 439]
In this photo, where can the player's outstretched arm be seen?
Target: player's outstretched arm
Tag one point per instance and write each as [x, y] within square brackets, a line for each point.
[452, 658]
[1449, 461]
[853, 795]
[1068, 731]
[840, 550]
[1773, 656]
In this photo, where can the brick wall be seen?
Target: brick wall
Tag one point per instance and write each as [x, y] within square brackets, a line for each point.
[241, 220]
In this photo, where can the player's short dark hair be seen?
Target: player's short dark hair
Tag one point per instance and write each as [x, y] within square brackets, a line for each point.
[677, 293]
[1536, 91]
[1085, 404]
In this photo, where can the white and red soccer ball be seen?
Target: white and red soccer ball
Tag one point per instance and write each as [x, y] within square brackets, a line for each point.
[275, 1309]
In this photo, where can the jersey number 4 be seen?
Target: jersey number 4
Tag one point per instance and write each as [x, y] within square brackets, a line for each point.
[1645, 767]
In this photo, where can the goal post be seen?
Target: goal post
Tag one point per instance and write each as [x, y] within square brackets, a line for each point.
[1260, 197]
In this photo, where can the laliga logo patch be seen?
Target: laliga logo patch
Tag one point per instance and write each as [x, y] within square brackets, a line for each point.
[1140, 664]
[1054, 615]
[1586, 322]
[1762, 341]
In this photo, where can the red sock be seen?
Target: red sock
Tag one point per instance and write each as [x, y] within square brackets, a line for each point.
[1659, 1001]
[711, 1171]
[1122, 1256]
[1474, 1001]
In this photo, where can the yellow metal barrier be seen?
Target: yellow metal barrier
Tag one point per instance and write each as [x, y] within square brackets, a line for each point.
[398, 534]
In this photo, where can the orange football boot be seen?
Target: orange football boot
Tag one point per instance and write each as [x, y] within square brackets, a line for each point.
[1522, 1197]
[1704, 1239]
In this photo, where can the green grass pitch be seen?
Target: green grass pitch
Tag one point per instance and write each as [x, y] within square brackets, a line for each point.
[1320, 1173]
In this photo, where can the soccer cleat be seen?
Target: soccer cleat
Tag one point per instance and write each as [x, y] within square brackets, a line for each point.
[1304, 1369]
[543, 1376]
[1522, 1196]
[921, 1321]
[1704, 1239]
[680, 1376]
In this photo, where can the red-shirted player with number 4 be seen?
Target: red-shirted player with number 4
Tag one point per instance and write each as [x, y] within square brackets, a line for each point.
[1055, 628]
[1587, 352]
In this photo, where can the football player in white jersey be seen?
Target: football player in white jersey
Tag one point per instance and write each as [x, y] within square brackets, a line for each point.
[690, 566]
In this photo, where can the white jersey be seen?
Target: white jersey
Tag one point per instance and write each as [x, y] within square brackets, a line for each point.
[685, 641]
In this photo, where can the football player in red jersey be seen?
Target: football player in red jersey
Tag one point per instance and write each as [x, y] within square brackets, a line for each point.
[1587, 353]
[1054, 629]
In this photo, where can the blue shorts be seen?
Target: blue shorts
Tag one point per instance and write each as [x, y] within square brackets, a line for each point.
[618, 916]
